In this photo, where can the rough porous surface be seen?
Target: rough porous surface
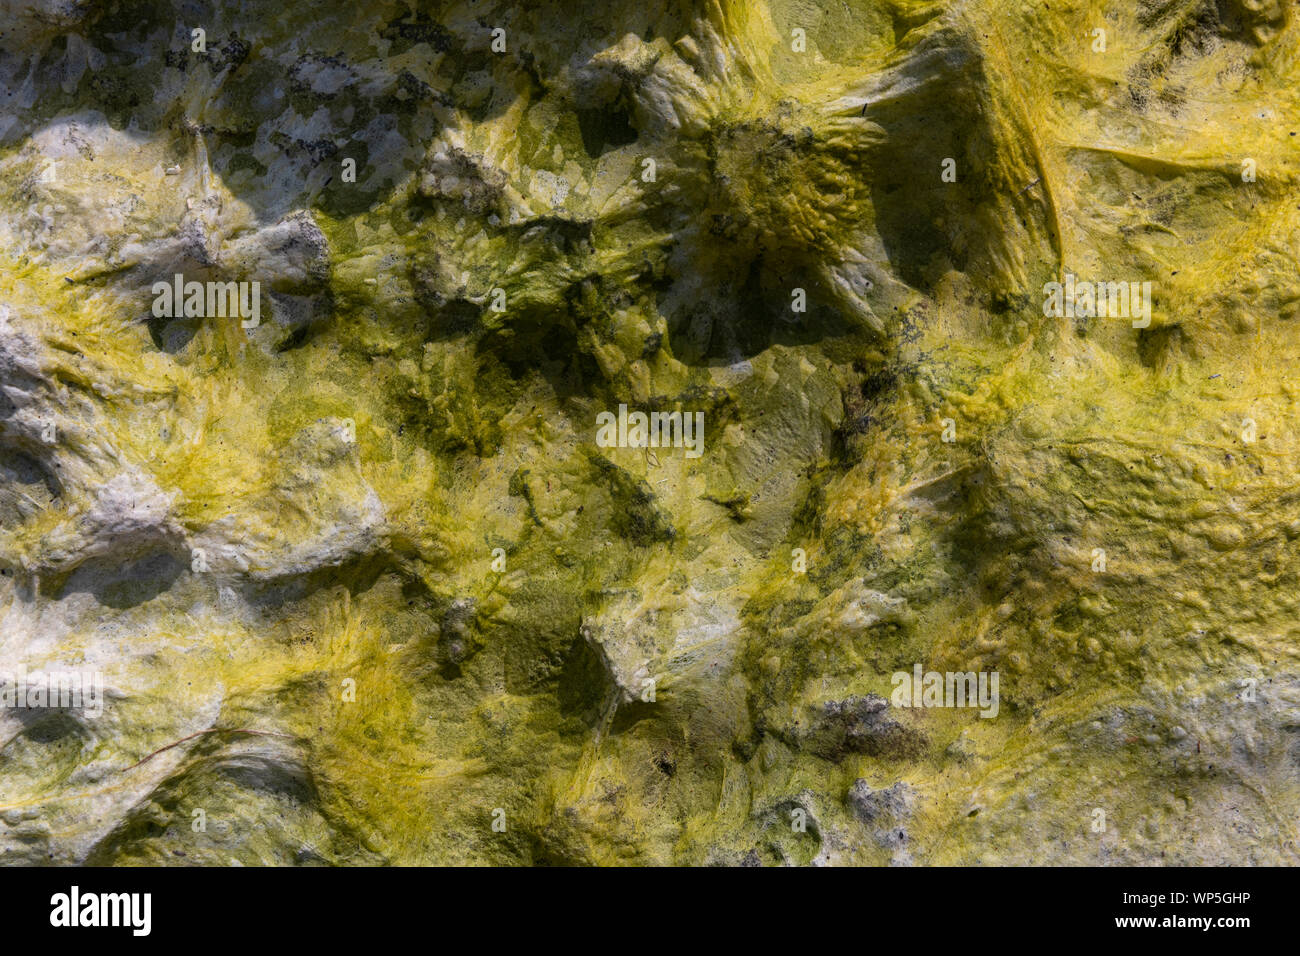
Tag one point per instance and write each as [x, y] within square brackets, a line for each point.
[363, 587]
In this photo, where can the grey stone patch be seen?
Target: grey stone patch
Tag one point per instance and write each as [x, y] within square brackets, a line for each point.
[293, 254]
[452, 175]
[860, 724]
[873, 806]
[884, 811]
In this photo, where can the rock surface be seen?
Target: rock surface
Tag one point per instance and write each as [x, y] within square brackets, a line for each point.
[358, 583]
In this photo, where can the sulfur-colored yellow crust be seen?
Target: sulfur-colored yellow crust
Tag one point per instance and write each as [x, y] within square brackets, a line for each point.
[369, 558]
